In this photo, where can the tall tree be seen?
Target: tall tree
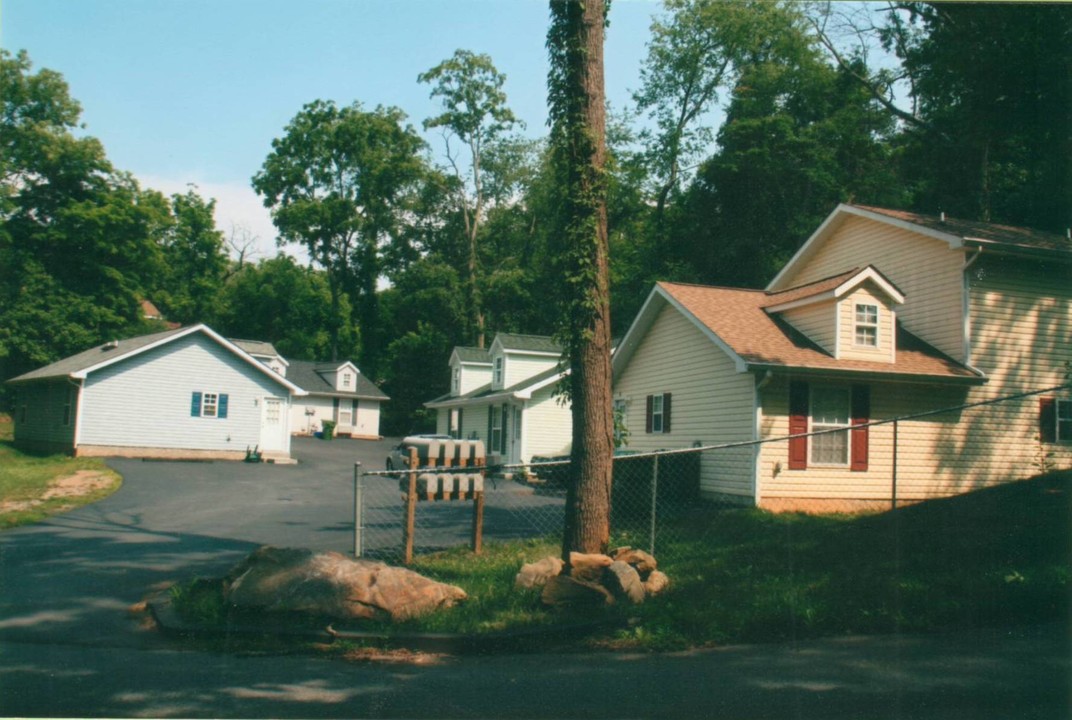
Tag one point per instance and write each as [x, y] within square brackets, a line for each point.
[337, 182]
[195, 261]
[78, 239]
[695, 53]
[475, 112]
[578, 126]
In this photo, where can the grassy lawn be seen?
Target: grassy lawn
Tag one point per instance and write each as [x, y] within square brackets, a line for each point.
[26, 480]
[996, 557]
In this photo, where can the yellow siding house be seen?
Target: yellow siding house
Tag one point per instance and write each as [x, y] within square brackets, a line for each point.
[881, 314]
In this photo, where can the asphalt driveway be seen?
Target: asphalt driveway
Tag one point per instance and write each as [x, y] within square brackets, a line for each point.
[69, 646]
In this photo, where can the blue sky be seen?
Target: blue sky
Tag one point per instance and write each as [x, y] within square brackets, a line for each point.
[194, 91]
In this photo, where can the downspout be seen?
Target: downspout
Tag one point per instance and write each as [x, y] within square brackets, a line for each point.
[756, 430]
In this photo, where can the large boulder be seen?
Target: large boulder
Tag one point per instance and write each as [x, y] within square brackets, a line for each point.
[536, 574]
[333, 585]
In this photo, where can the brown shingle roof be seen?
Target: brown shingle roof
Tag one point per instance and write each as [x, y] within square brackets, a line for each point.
[738, 318]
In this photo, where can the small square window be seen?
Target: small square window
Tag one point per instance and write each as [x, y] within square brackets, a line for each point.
[866, 326]
[209, 404]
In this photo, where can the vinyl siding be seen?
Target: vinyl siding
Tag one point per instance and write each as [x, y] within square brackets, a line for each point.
[712, 403]
[926, 270]
[144, 401]
[547, 426]
[323, 408]
[473, 376]
[43, 428]
[518, 367]
[818, 322]
[847, 347]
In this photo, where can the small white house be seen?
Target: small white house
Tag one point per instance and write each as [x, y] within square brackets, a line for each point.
[183, 393]
[505, 396]
[338, 392]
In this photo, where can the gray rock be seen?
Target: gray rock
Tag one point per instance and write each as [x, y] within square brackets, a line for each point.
[536, 574]
[333, 585]
[624, 581]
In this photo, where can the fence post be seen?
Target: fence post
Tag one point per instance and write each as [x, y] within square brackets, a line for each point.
[654, 498]
[893, 487]
[358, 525]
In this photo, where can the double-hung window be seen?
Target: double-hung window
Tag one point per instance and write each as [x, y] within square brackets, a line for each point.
[830, 410]
[1064, 420]
[1055, 420]
[208, 405]
[498, 371]
[866, 325]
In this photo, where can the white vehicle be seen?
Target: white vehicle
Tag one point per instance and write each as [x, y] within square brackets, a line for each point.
[398, 459]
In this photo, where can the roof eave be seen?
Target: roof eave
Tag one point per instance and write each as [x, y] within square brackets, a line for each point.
[921, 378]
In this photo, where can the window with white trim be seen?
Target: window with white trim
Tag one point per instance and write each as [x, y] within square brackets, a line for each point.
[498, 370]
[1064, 420]
[347, 380]
[865, 333]
[657, 414]
[831, 409]
[496, 428]
[457, 382]
[210, 403]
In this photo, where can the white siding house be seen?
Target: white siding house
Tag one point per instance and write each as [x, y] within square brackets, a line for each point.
[336, 392]
[181, 393]
[505, 397]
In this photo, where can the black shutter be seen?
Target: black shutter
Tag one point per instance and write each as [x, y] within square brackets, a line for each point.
[648, 414]
[1047, 419]
[666, 412]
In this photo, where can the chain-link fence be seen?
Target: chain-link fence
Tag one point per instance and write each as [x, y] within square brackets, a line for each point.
[658, 498]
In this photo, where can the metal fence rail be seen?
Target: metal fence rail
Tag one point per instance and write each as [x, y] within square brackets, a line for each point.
[652, 492]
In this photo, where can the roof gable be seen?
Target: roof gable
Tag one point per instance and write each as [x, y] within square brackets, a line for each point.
[538, 344]
[738, 322]
[953, 232]
[470, 356]
[833, 288]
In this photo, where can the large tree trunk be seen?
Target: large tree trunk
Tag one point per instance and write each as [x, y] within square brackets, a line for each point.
[578, 105]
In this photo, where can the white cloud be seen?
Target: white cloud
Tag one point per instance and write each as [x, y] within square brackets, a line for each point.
[238, 210]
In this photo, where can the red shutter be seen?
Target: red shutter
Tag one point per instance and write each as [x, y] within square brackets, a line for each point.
[1047, 419]
[798, 425]
[666, 413]
[647, 416]
[861, 415]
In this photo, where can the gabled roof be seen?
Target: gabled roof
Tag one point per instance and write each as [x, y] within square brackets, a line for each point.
[832, 288]
[471, 355]
[957, 234]
[522, 390]
[737, 321]
[310, 376]
[82, 364]
[258, 347]
[527, 343]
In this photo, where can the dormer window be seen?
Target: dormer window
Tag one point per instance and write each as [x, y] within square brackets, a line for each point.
[457, 381]
[498, 377]
[347, 381]
[866, 332]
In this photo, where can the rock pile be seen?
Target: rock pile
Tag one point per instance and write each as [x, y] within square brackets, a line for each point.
[332, 585]
[626, 575]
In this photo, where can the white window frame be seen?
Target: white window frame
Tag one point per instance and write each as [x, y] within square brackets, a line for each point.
[498, 379]
[454, 423]
[865, 329]
[657, 412]
[347, 380]
[822, 442]
[215, 404]
[457, 381]
[1063, 420]
[495, 441]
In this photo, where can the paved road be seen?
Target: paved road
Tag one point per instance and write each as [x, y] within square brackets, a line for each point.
[69, 648]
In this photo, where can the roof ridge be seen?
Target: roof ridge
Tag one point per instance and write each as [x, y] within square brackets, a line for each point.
[709, 287]
[828, 278]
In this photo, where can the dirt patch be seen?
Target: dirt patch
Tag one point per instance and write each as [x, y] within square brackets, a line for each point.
[83, 482]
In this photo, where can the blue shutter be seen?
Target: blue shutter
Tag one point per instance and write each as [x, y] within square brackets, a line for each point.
[221, 410]
[195, 405]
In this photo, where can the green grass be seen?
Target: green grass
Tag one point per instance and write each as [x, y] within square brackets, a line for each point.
[995, 557]
[25, 478]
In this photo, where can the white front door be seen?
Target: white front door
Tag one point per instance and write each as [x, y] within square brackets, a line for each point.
[273, 425]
